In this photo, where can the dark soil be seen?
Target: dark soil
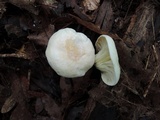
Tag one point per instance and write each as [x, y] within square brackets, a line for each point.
[31, 90]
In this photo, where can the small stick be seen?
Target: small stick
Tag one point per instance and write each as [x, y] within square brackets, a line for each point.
[147, 62]
[128, 9]
[29, 74]
[149, 85]
[24, 56]
[155, 52]
[151, 81]
[154, 34]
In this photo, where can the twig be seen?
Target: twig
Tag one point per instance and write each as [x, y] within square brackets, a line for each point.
[147, 62]
[128, 9]
[149, 85]
[24, 56]
[131, 89]
[125, 100]
[155, 52]
[29, 74]
[154, 75]
[94, 28]
[154, 34]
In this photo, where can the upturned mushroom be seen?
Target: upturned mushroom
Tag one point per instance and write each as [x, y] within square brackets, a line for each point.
[71, 54]
[107, 60]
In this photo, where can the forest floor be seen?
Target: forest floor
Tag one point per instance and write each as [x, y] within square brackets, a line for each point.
[31, 90]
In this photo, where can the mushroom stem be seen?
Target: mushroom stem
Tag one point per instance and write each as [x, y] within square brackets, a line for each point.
[107, 60]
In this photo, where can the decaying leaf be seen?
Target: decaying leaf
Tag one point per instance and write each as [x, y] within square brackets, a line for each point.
[47, 2]
[91, 4]
[38, 105]
[66, 89]
[8, 105]
[141, 23]
[52, 108]
[42, 38]
[21, 113]
[105, 18]
[35, 92]
[13, 29]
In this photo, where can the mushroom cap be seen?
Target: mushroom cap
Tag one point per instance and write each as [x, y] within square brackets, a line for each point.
[107, 60]
[71, 54]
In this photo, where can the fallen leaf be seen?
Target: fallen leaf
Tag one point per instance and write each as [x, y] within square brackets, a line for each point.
[8, 105]
[43, 37]
[66, 89]
[94, 27]
[104, 19]
[21, 113]
[39, 105]
[91, 4]
[52, 108]
[48, 2]
[13, 29]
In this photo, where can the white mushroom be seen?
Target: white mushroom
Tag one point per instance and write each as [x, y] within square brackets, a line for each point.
[107, 60]
[70, 53]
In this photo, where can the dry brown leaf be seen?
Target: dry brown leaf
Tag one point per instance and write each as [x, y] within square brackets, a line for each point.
[8, 105]
[21, 113]
[88, 109]
[13, 29]
[39, 105]
[66, 89]
[42, 38]
[52, 108]
[139, 28]
[91, 4]
[47, 2]
[106, 18]
[94, 27]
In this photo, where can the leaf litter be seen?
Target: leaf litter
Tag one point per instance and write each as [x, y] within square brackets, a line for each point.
[31, 90]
